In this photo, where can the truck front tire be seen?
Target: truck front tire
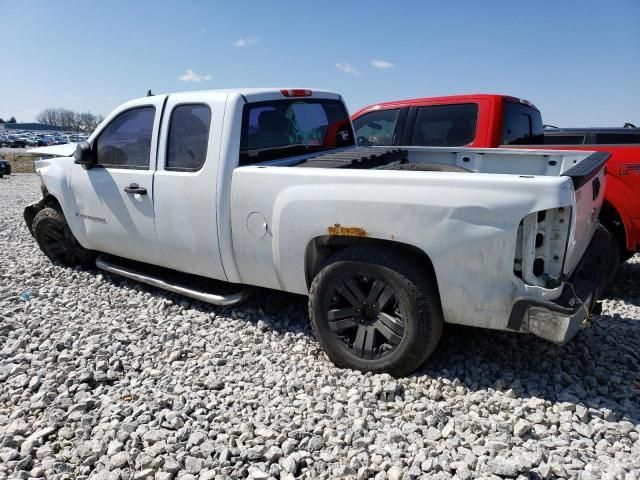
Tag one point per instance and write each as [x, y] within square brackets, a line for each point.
[374, 310]
[57, 242]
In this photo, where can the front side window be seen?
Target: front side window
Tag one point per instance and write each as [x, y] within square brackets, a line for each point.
[188, 137]
[285, 128]
[376, 128]
[522, 125]
[445, 125]
[126, 141]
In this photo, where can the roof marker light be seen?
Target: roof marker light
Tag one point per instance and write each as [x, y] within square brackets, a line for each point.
[296, 92]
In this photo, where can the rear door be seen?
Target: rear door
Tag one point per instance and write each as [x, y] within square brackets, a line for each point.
[185, 183]
[437, 123]
[115, 199]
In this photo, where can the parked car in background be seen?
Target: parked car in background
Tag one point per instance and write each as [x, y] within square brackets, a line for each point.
[17, 142]
[266, 187]
[591, 136]
[5, 166]
[491, 121]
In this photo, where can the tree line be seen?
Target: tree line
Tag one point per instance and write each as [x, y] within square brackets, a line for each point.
[11, 120]
[69, 120]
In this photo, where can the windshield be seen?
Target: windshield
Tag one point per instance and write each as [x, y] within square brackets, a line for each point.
[286, 128]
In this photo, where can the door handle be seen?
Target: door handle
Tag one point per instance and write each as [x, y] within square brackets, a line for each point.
[135, 188]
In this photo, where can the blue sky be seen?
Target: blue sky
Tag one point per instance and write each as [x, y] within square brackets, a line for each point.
[578, 61]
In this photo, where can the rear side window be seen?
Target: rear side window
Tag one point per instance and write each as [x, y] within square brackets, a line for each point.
[126, 141]
[618, 138]
[279, 129]
[445, 125]
[376, 128]
[522, 125]
[188, 137]
[564, 139]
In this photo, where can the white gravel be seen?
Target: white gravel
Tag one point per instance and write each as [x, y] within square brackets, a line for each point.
[105, 378]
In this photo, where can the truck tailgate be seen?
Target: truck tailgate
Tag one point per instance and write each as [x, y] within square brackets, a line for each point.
[588, 179]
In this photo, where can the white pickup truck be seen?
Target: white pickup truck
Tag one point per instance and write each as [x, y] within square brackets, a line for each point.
[264, 187]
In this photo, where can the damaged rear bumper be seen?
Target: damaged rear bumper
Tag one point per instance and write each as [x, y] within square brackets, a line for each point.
[559, 320]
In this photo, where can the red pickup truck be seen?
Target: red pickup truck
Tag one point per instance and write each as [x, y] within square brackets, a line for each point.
[490, 121]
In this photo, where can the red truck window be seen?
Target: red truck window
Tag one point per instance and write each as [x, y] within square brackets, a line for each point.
[377, 127]
[522, 125]
[445, 125]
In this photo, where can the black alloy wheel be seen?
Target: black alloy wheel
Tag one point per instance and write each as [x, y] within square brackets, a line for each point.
[366, 317]
[375, 309]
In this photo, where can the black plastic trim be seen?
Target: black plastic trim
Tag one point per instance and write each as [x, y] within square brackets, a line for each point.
[587, 169]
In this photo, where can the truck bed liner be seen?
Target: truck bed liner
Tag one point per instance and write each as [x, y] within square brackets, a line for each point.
[358, 157]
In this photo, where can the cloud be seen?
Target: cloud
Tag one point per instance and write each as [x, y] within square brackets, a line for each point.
[191, 76]
[68, 96]
[347, 68]
[203, 30]
[247, 42]
[381, 64]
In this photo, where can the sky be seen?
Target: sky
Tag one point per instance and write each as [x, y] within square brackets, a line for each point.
[577, 61]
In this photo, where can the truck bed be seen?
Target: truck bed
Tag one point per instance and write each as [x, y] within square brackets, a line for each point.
[495, 161]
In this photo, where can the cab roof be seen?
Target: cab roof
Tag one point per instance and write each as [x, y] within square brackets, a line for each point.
[444, 99]
[258, 94]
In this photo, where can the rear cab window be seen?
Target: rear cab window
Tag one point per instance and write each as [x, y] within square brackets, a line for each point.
[279, 129]
[377, 127]
[451, 125]
[521, 124]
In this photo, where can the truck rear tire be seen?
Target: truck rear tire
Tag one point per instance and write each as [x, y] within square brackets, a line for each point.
[57, 242]
[374, 310]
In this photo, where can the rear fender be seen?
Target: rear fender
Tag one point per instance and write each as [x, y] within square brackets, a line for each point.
[618, 194]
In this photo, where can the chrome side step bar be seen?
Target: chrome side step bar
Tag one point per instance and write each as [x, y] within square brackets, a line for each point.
[221, 300]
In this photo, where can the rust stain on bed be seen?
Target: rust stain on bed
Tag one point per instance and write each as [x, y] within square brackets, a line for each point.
[337, 229]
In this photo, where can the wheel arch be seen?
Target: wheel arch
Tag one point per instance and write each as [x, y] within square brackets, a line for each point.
[47, 200]
[322, 247]
[611, 218]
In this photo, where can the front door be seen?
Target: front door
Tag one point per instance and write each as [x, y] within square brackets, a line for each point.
[115, 198]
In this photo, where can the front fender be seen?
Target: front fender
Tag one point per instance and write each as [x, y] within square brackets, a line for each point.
[30, 212]
[55, 175]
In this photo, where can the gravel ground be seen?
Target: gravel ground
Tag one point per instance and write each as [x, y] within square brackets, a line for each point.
[105, 378]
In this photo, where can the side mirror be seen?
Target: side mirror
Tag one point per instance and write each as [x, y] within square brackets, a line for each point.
[84, 155]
